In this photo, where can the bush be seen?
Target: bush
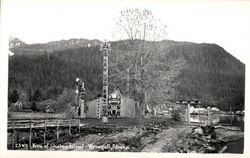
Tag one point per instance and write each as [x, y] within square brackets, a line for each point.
[70, 113]
[34, 107]
[176, 115]
[67, 97]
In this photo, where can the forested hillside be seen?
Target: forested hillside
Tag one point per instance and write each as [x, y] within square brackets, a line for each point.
[211, 74]
[51, 73]
[177, 70]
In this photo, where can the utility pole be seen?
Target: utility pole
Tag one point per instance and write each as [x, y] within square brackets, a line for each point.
[105, 48]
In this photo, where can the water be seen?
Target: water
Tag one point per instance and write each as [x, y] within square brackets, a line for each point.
[233, 120]
[236, 146]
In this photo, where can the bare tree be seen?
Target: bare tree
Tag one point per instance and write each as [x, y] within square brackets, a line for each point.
[138, 24]
[142, 29]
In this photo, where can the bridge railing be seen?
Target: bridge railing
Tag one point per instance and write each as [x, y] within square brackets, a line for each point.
[17, 124]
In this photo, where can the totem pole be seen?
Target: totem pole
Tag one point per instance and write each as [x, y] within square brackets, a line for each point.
[105, 48]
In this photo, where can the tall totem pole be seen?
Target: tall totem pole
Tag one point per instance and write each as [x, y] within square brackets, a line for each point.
[105, 48]
[80, 98]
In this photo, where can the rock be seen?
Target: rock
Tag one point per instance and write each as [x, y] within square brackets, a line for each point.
[209, 130]
[210, 148]
[198, 131]
[202, 140]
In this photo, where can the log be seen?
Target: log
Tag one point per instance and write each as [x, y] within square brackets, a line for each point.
[228, 128]
[223, 149]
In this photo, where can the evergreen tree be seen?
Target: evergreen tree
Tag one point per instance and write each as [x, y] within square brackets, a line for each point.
[34, 107]
[37, 96]
[14, 96]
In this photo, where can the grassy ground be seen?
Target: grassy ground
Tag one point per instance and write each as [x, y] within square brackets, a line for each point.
[126, 122]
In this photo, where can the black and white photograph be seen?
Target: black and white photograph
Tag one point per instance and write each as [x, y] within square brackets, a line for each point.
[143, 76]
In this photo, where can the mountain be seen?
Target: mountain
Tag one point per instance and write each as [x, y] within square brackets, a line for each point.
[177, 70]
[210, 74]
[204, 72]
[15, 43]
[19, 47]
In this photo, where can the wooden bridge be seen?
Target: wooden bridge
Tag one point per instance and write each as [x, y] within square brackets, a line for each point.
[42, 129]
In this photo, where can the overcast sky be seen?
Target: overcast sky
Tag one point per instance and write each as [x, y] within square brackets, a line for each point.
[224, 22]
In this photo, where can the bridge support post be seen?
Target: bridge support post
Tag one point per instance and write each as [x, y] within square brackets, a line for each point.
[188, 113]
[30, 135]
[13, 136]
[57, 130]
[44, 134]
[79, 126]
[69, 127]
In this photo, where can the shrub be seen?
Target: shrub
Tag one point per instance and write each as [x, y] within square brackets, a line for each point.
[67, 97]
[176, 115]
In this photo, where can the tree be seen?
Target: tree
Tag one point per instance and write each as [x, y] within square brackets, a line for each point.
[14, 96]
[136, 24]
[30, 93]
[34, 107]
[23, 96]
[142, 29]
[66, 98]
[37, 96]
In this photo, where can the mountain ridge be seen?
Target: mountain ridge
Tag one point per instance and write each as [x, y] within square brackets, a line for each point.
[16, 45]
[85, 43]
[190, 71]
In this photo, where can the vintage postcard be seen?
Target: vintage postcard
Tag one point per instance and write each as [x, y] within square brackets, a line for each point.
[124, 77]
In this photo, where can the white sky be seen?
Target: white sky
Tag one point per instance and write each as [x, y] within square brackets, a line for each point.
[224, 22]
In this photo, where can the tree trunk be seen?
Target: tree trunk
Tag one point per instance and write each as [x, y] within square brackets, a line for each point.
[139, 108]
[136, 110]
[145, 97]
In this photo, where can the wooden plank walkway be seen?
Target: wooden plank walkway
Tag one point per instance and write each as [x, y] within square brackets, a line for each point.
[26, 124]
[49, 128]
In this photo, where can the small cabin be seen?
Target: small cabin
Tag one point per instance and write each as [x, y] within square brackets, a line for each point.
[49, 109]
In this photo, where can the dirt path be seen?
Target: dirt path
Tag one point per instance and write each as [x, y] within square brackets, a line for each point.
[166, 139]
[174, 138]
[170, 140]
